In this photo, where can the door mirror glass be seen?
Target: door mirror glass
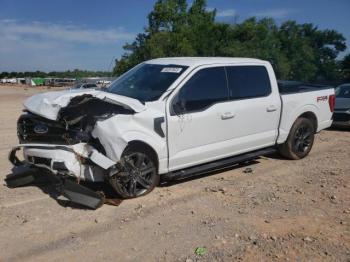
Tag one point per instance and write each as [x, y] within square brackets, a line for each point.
[179, 106]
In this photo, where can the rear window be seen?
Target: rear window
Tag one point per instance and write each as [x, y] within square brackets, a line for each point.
[248, 81]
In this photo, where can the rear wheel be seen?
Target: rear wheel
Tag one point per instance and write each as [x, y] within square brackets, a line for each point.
[139, 175]
[300, 140]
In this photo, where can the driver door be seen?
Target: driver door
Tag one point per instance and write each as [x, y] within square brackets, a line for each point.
[199, 119]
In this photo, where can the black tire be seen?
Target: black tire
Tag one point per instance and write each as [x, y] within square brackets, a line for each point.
[300, 140]
[139, 175]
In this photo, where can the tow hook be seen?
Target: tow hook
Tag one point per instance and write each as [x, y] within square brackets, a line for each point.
[13, 158]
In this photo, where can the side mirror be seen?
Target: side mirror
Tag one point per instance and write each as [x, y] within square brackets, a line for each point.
[179, 107]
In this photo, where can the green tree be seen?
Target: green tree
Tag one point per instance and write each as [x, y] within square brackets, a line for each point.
[173, 30]
[76, 73]
[296, 51]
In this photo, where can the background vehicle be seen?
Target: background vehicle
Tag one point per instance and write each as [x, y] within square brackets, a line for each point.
[84, 86]
[174, 117]
[341, 115]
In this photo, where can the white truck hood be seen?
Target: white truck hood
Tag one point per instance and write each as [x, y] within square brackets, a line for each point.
[50, 103]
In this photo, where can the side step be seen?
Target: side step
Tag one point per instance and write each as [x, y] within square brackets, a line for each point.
[217, 165]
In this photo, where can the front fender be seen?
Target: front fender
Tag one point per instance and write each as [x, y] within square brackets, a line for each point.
[151, 139]
[118, 131]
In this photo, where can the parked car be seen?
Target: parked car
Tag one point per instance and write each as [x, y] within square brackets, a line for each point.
[341, 115]
[84, 86]
[170, 118]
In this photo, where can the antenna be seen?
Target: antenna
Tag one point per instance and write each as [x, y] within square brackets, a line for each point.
[109, 70]
[110, 64]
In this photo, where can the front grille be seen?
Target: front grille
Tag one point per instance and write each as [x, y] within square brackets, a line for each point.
[35, 129]
[341, 117]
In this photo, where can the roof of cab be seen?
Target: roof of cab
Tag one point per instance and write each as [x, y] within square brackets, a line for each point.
[197, 61]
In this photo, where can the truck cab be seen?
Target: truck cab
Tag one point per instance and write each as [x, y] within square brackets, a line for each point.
[222, 109]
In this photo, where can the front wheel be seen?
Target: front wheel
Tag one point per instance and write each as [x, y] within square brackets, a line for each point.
[139, 174]
[300, 140]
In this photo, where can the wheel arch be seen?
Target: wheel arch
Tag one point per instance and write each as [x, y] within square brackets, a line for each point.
[297, 147]
[311, 116]
[150, 149]
[308, 111]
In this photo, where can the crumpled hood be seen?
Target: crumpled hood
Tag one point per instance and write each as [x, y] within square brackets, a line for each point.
[49, 104]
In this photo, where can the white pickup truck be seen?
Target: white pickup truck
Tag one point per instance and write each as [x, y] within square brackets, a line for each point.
[170, 117]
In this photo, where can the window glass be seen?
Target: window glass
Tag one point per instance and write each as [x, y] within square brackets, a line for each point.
[205, 88]
[343, 91]
[146, 82]
[248, 81]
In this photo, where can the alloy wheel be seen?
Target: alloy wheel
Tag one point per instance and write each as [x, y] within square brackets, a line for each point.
[137, 175]
[302, 139]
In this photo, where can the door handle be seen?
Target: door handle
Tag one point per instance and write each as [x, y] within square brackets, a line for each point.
[227, 115]
[271, 108]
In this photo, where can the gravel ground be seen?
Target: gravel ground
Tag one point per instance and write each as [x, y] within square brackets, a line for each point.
[281, 211]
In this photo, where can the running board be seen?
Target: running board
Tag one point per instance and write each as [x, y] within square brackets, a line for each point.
[217, 165]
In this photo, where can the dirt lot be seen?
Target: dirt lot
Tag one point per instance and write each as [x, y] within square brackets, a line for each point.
[282, 211]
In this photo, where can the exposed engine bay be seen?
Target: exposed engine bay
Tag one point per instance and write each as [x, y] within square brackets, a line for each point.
[74, 125]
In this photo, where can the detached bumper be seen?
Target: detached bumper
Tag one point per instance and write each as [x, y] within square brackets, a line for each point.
[60, 161]
[26, 174]
[79, 160]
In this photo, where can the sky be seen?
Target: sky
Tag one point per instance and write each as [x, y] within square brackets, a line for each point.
[88, 34]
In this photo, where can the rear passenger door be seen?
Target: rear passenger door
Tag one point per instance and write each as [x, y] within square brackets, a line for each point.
[256, 106]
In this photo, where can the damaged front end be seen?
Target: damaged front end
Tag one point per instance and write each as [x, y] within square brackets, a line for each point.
[61, 143]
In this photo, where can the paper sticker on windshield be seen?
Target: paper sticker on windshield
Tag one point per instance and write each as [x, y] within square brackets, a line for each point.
[171, 70]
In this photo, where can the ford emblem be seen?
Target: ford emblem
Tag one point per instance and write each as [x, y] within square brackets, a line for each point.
[41, 129]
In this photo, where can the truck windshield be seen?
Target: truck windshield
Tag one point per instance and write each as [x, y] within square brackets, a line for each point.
[343, 91]
[146, 82]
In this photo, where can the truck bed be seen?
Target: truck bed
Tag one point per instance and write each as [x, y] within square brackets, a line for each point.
[298, 98]
[291, 87]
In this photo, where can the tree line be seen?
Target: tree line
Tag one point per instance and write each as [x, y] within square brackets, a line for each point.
[56, 74]
[297, 51]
